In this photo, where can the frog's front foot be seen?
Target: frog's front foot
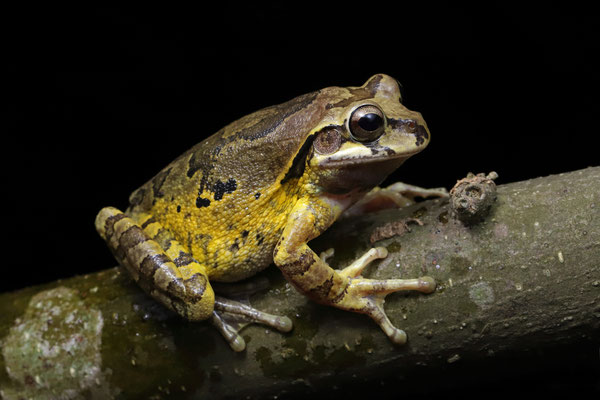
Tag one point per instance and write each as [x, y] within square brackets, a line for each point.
[367, 296]
[230, 316]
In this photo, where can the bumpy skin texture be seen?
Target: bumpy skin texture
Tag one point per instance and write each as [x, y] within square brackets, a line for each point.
[256, 192]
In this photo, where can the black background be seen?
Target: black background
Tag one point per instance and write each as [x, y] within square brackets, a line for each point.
[101, 98]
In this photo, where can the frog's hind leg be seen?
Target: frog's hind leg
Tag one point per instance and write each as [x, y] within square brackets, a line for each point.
[394, 196]
[158, 263]
[166, 271]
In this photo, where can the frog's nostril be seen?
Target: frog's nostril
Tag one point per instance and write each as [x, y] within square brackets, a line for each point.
[422, 135]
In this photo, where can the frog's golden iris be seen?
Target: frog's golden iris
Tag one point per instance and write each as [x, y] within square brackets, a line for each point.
[257, 192]
[366, 123]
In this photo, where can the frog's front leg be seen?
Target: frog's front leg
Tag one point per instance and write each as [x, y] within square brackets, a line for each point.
[169, 273]
[345, 289]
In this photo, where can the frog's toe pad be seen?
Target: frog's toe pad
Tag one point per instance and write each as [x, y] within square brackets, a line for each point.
[427, 284]
[398, 336]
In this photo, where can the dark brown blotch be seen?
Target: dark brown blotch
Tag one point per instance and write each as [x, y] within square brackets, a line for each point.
[202, 202]
[221, 188]
[151, 263]
[340, 296]
[109, 224]
[132, 237]
[299, 266]
[299, 162]
[373, 84]
[137, 197]
[176, 288]
[403, 125]
[195, 287]
[322, 291]
[158, 181]
[183, 259]
[421, 135]
[202, 158]
[149, 221]
[272, 120]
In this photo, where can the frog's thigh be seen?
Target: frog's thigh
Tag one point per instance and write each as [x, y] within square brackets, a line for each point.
[394, 196]
[159, 264]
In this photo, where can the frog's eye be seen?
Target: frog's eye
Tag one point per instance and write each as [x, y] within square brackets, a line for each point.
[367, 123]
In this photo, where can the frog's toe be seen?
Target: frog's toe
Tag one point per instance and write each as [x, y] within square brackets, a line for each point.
[356, 268]
[327, 254]
[230, 333]
[231, 316]
[381, 288]
[396, 335]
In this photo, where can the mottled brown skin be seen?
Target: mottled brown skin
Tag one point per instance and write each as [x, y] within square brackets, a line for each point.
[256, 192]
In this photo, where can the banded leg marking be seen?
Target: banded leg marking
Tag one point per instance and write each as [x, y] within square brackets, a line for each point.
[180, 282]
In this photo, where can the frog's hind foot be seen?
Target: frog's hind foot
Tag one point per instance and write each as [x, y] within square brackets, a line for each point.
[230, 317]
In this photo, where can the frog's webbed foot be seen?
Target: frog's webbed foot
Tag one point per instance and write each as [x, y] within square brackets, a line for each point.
[367, 296]
[396, 195]
[230, 317]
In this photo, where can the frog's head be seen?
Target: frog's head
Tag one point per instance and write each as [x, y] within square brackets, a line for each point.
[365, 135]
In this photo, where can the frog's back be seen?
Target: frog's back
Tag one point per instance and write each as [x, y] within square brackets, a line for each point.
[223, 198]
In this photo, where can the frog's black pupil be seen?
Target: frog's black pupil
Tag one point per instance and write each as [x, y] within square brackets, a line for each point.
[370, 122]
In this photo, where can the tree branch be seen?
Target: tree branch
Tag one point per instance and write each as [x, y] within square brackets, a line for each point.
[527, 277]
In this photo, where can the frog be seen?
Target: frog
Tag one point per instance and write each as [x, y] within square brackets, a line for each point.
[257, 191]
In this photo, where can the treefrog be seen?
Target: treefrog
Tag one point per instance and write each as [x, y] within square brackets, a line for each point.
[256, 192]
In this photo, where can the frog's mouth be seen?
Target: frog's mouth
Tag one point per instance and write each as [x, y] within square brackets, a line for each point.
[383, 157]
